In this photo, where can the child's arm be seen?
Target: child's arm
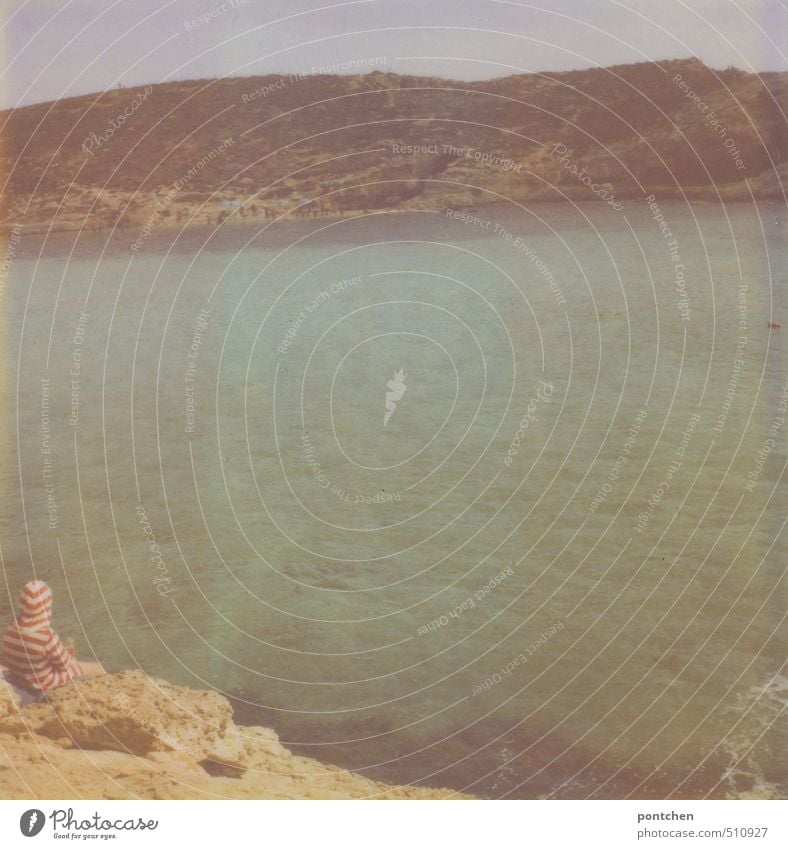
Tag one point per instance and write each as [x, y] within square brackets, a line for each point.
[58, 654]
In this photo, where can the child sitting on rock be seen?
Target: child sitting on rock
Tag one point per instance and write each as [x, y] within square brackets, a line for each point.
[36, 658]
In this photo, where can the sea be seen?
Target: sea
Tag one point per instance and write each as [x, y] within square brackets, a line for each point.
[487, 499]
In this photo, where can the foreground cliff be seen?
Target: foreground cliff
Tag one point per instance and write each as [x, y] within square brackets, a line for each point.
[196, 152]
[129, 736]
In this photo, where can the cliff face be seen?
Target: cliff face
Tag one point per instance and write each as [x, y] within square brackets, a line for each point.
[388, 141]
[130, 736]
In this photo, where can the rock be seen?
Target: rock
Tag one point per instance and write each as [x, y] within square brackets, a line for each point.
[9, 701]
[154, 740]
[265, 740]
[131, 712]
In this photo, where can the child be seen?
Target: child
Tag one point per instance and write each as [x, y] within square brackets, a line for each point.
[36, 658]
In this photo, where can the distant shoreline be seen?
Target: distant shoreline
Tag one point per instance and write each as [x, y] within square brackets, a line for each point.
[259, 223]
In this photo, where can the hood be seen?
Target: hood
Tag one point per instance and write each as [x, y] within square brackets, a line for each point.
[35, 604]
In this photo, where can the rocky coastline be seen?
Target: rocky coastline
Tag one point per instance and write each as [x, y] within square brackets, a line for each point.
[130, 736]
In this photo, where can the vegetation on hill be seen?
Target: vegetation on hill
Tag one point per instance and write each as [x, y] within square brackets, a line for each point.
[205, 149]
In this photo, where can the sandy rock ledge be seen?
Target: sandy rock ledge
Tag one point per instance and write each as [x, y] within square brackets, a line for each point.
[128, 736]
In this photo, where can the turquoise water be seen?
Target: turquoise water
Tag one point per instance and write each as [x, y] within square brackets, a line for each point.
[468, 594]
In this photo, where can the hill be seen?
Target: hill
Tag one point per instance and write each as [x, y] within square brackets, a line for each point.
[202, 150]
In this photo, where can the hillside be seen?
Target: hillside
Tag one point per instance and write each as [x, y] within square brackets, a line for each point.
[201, 150]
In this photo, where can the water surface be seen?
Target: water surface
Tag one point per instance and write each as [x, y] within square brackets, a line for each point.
[220, 503]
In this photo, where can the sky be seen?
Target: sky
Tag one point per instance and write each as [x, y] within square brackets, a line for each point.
[62, 48]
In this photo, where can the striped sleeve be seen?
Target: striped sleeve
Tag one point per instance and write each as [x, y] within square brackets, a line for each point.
[57, 653]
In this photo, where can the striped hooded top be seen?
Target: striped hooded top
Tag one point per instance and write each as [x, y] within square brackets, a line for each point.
[33, 652]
